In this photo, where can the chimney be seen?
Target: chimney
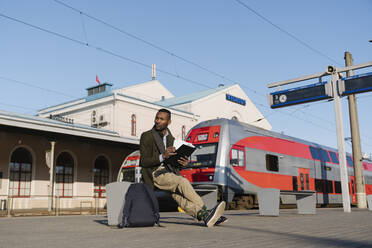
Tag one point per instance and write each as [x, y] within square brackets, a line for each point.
[153, 71]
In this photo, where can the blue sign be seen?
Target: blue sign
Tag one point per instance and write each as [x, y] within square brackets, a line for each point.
[307, 93]
[357, 84]
[235, 99]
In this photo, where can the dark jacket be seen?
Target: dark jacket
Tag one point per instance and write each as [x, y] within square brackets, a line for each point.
[149, 160]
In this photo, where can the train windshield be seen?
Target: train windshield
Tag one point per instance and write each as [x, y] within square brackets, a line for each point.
[204, 156]
[127, 175]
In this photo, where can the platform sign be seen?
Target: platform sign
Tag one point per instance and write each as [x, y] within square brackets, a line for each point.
[356, 84]
[303, 94]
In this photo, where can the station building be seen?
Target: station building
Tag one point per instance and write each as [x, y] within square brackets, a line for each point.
[85, 141]
[84, 160]
[131, 110]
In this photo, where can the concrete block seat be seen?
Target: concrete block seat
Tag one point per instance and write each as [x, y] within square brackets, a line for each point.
[269, 200]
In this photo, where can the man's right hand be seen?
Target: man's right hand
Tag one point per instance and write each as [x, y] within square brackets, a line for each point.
[169, 151]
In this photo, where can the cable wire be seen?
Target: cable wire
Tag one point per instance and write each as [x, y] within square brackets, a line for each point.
[35, 86]
[135, 62]
[104, 50]
[286, 32]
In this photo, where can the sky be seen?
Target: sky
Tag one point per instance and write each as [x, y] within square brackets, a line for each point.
[52, 50]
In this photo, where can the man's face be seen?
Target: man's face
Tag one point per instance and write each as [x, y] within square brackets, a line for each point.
[161, 121]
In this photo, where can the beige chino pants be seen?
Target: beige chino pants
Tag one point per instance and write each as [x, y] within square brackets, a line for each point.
[181, 189]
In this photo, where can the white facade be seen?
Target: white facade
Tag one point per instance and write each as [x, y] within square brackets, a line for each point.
[131, 110]
[216, 105]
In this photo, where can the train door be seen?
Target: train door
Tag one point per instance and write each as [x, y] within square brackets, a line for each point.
[352, 189]
[304, 182]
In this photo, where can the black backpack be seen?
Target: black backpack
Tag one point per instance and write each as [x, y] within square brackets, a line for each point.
[141, 207]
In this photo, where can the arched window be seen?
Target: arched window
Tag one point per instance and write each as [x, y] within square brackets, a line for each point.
[20, 172]
[183, 132]
[64, 175]
[101, 176]
[133, 125]
[234, 118]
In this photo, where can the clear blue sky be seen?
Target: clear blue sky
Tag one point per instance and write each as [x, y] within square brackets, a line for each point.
[223, 36]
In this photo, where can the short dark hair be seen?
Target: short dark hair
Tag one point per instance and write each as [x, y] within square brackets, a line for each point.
[165, 111]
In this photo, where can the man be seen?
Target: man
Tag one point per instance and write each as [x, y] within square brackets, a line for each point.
[156, 145]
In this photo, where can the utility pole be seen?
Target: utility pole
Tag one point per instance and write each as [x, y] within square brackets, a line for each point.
[355, 139]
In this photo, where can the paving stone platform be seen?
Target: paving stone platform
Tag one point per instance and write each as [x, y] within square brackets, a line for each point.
[327, 228]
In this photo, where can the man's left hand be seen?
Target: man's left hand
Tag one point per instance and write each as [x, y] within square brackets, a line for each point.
[184, 161]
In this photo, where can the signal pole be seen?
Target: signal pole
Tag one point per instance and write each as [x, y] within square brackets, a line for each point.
[355, 139]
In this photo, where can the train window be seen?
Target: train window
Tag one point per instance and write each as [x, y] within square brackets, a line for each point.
[237, 157]
[302, 181]
[315, 154]
[204, 156]
[128, 175]
[349, 161]
[319, 185]
[324, 155]
[294, 182]
[329, 186]
[334, 157]
[338, 187]
[272, 162]
[307, 182]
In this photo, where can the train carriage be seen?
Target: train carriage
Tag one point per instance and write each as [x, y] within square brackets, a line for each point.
[240, 159]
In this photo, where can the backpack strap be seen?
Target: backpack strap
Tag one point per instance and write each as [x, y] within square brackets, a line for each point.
[154, 203]
[127, 206]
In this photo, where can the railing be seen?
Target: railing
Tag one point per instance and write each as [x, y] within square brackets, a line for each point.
[78, 200]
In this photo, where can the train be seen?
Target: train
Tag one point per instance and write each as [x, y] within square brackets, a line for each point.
[239, 159]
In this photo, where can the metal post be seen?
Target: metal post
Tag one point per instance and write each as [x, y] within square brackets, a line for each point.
[51, 174]
[10, 205]
[97, 201]
[137, 174]
[355, 139]
[56, 208]
[341, 145]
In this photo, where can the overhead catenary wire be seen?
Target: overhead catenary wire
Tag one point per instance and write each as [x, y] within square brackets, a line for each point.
[306, 44]
[107, 51]
[17, 106]
[104, 50]
[129, 59]
[151, 44]
[37, 87]
[172, 54]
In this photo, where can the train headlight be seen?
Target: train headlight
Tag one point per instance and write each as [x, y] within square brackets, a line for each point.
[210, 177]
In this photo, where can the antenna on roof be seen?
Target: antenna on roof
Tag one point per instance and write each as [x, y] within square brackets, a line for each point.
[153, 71]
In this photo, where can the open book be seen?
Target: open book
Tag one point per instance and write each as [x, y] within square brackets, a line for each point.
[183, 149]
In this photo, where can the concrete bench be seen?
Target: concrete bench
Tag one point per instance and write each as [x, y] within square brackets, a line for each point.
[369, 202]
[208, 193]
[269, 200]
[115, 201]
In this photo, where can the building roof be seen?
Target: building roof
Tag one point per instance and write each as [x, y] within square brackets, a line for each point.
[55, 126]
[190, 97]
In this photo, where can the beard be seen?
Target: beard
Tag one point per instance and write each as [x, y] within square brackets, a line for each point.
[160, 128]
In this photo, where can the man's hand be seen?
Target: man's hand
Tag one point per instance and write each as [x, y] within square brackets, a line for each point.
[184, 161]
[169, 151]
